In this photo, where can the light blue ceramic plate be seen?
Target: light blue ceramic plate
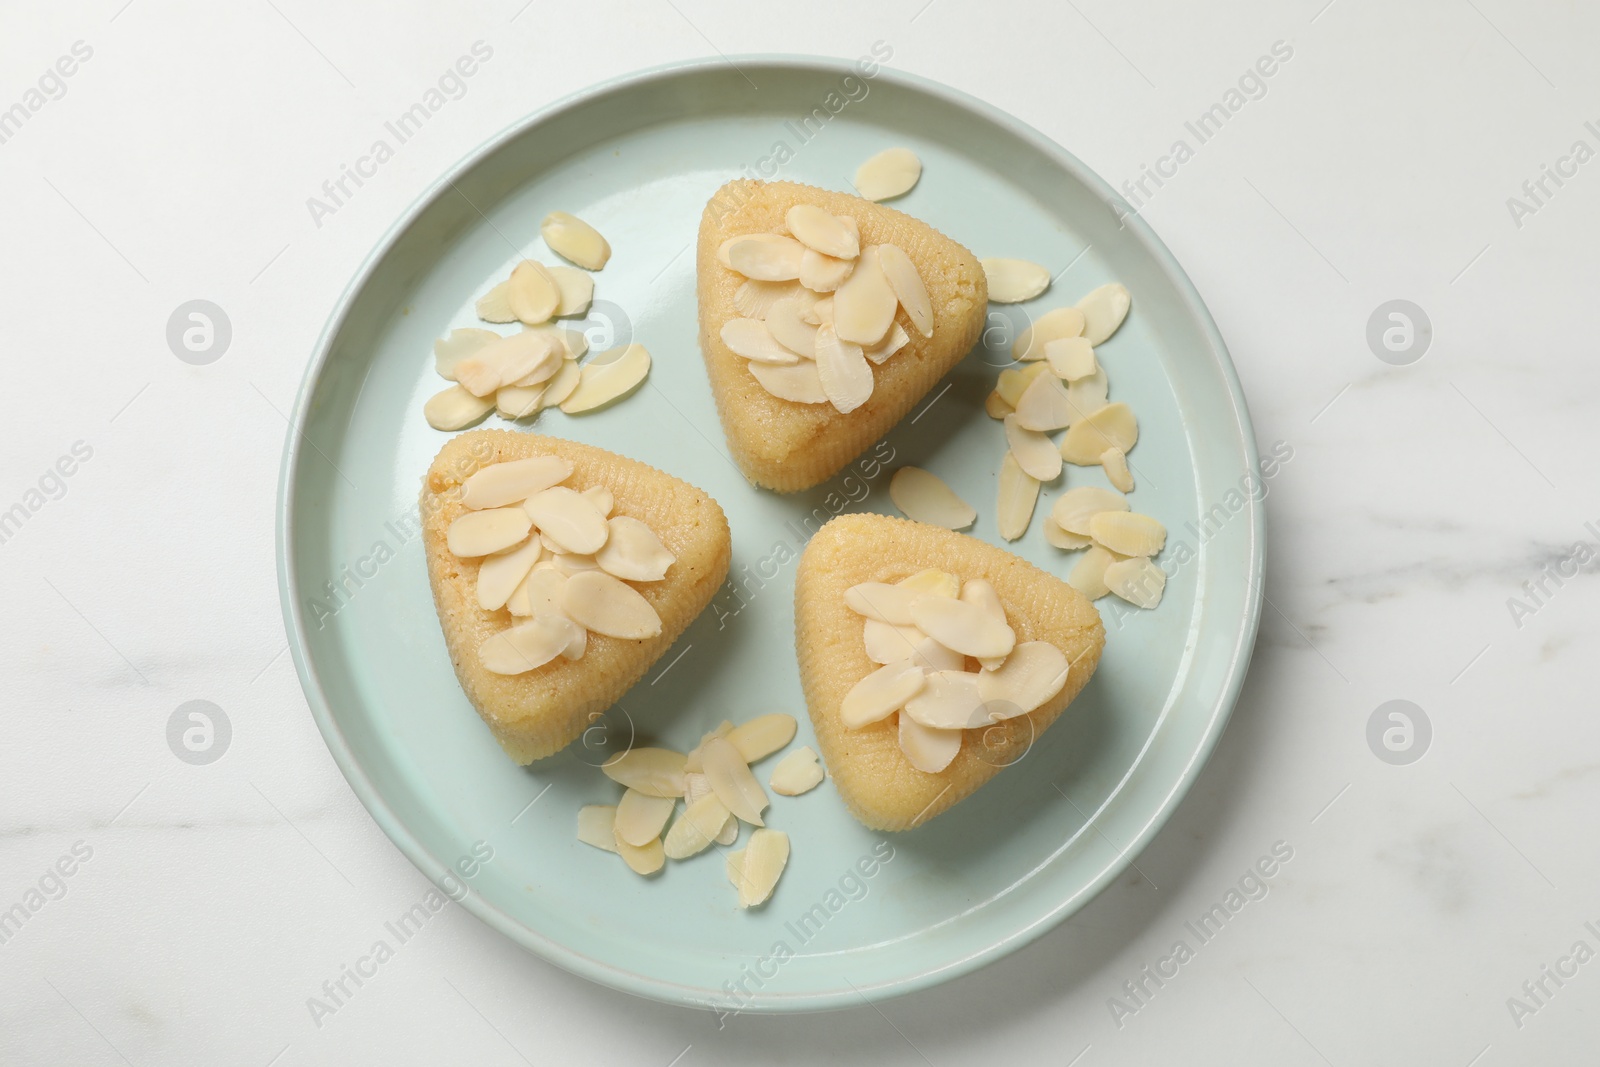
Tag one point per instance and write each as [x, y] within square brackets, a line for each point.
[638, 158]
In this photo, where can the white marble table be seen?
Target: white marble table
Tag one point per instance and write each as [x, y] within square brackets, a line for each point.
[206, 903]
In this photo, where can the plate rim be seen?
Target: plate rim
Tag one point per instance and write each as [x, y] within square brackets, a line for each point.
[610, 974]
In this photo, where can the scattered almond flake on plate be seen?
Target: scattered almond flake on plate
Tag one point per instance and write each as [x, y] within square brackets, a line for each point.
[518, 401]
[563, 385]
[646, 859]
[607, 378]
[1012, 281]
[478, 533]
[864, 306]
[696, 826]
[732, 781]
[1019, 494]
[1103, 311]
[1127, 533]
[456, 409]
[1012, 382]
[995, 406]
[595, 823]
[891, 173]
[843, 370]
[1051, 326]
[908, 287]
[1036, 454]
[1044, 405]
[880, 694]
[752, 339]
[1074, 508]
[797, 773]
[1113, 426]
[1060, 538]
[518, 359]
[766, 257]
[753, 298]
[1115, 463]
[576, 288]
[1088, 395]
[762, 735]
[1088, 575]
[924, 497]
[1070, 358]
[641, 817]
[575, 240]
[604, 605]
[800, 383]
[762, 865]
[735, 867]
[657, 772]
[1138, 581]
[526, 646]
[533, 292]
[495, 305]
[927, 749]
[457, 346]
[819, 230]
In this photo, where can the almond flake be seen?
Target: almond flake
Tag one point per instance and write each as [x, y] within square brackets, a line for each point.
[576, 289]
[567, 518]
[478, 533]
[1019, 494]
[924, 497]
[456, 409]
[1115, 463]
[1033, 674]
[735, 867]
[894, 341]
[1088, 395]
[1014, 381]
[570, 563]
[499, 484]
[633, 552]
[1113, 426]
[595, 823]
[732, 781]
[798, 772]
[1088, 575]
[821, 312]
[575, 240]
[927, 749]
[495, 305]
[601, 603]
[882, 601]
[1103, 311]
[501, 574]
[1060, 538]
[563, 385]
[520, 359]
[888, 174]
[930, 655]
[799, 383]
[843, 370]
[692, 760]
[641, 817]
[864, 306]
[762, 735]
[823, 274]
[949, 701]
[815, 228]
[695, 784]
[1036, 453]
[1070, 358]
[540, 591]
[534, 294]
[753, 298]
[932, 580]
[880, 694]
[1051, 326]
[908, 287]
[601, 498]
[518, 401]
[448, 351]
[642, 859]
[1138, 581]
[575, 342]
[656, 772]
[764, 859]
[1012, 281]
[526, 646]
[995, 406]
[577, 645]
[753, 340]
[979, 593]
[785, 321]
[962, 627]
[886, 643]
[1044, 405]
[1074, 508]
[1127, 533]
[608, 377]
[697, 825]
[766, 257]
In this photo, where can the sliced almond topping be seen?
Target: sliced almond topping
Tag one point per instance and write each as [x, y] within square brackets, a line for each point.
[888, 174]
[541, 590]
[518, 401]
[1138, 581]
[577, 645]
[1051, 326]
[576, 289]
[864, 306]
[821, 312]
[478, 533]
[570, 563]
[798, 772]
[823, 274]
[1036, 453]
[595, 822]
[1019, 494]
[534, 294]
[949, 701]
[924, 497]
[1128, 533]
[880, 694]
[1115, 463]
[887, 643]
[563, 385]
[930, 655]
[753, 340]
[515, 360]
[963, 627]
[1014, 381]
[1060, 538]
[601, 603]
[908, 287]
[799, 383]
[697, 826]
[764, 859]
[1103, 311]
[1074, 508]
[843, 370]
[656, 772]
[1070, 358]
[1044, 404]
[448, 351]
[732, 781]
[646, 859]
[1113, 426]
[995, 406]
[501, 574]
[817, 229]
[928, 750]
[514, 480]
[1011, 281]
[568, 518]
[495, 305]
[762, 735]
[753, 298]
[575, 240]
[526, 646]
[456, 409]
[1088, 395]
[601, 498]
[932, 580]
[980, 593]
[1088, 575]
[786, 322]
[633, 552]
[766, 257]
[882, 601]
[1033, 674]
[894, 341]
[641, 817]
[608, 377]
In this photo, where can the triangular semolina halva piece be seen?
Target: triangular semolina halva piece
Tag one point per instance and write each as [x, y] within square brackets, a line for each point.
[787, 445]
[537, 713]
[872, 774]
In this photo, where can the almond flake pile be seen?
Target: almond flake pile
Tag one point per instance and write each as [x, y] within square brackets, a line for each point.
[519, 375]
[817, 310]
[717, 790]
[556, 561]
[949, 663]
